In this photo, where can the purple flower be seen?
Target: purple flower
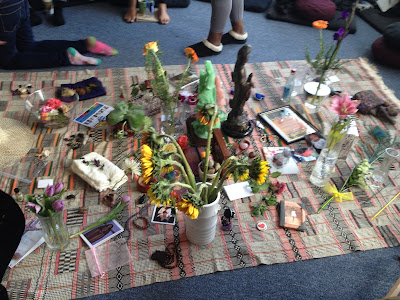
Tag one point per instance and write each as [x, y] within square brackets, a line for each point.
[339, 34]
[58, 188]
[125, 199]
[58, 205]
[34, 206]
[96, 162]
[345, 15]
[50, 190]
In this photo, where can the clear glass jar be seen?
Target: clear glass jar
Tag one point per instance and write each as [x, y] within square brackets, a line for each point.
[55, 231]
[381, 173]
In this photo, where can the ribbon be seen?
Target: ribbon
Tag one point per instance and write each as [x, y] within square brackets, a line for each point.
[339, 197]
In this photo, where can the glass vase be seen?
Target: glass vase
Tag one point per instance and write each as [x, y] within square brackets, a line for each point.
[173, 121]
[325, 164]
[381, 173]
[55, 231]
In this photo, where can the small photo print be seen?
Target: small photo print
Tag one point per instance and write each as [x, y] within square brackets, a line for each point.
[164, 215]
[304, 154]
[102, 233]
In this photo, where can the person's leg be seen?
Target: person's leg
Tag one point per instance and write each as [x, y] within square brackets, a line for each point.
[163, 16]
[236, 35]
[130, 15]
[12, 226]
[220, 11]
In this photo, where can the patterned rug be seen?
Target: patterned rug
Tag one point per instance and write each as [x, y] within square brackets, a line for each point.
[340, 229]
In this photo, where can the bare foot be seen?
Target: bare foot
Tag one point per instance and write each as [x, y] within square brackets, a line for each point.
[163, 17]
[130, 15]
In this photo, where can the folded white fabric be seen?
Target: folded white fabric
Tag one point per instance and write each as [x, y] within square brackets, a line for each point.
[99, 172]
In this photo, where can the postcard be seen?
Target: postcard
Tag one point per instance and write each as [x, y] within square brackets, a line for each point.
[288, 123]
[164, 215]
[94, 115]
[102, 233]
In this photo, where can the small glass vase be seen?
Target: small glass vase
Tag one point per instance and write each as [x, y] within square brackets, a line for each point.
[381, 173]
[325, 164]
[173, 121]
[55, 231]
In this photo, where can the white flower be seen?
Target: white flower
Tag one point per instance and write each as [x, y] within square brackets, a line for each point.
[132, 166]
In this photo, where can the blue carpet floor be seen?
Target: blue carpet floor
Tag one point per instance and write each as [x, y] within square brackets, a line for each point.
[363, 275]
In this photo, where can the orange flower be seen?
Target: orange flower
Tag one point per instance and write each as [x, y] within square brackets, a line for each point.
[191, 54]
[320, 24]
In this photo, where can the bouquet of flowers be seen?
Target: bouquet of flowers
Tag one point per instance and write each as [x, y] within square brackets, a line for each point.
[158, 77]
[48, 208]
[160, 157]
[325, 61]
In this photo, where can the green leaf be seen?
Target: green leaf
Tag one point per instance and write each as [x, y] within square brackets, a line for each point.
[276, 174]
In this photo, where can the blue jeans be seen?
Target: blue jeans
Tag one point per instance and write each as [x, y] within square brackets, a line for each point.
[21, 51]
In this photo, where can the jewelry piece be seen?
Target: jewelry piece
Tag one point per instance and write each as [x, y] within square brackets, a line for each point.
[146, 221]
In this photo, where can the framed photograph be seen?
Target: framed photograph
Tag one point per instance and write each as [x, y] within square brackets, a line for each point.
[101, 233]
[164, 215]
[288, 123]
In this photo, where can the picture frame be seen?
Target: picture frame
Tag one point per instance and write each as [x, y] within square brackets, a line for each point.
[164, 215]
[101, 233]
[190, 79]
[287, 123]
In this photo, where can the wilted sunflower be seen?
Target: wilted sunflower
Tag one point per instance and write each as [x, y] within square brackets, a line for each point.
[205, 118]
[259, 170]
[147, 164]
[187, 208]
[169, 148]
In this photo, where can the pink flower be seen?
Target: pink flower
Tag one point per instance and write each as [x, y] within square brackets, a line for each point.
[58, 205]
[278, 187]
[343, 105]
[125, 199]
[58, 188]
[54, 103]
[34, 207]
[46, 109]
[50, 190]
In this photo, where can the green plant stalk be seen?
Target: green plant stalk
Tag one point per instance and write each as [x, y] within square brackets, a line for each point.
[210, 128]
[185, 163]
[53, 226]
[223, 166]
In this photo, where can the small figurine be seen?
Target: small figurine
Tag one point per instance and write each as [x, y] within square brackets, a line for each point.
[18, 195]
[109, 200]
[259, 97]
[226, 219]
[21, 91]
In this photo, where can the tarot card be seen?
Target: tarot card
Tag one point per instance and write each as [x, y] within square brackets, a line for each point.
[101, 233]
[164, 215]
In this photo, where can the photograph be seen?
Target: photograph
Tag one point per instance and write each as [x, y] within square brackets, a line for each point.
[315, 140]
[288, 123]
[164, 215]
[102, 233]
[189, 80]
[304, 154]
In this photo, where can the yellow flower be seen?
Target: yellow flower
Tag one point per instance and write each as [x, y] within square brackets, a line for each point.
[187, 208]
[150, 46]
[153, 198]
[259, 170]
[169, 148]
[244, 176]
[147, 163]
[167, 169]
[204, 120]
[320, 24]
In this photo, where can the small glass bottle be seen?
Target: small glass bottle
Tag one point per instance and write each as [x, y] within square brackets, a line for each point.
[289, 86]
[381, 173]
[18, 195]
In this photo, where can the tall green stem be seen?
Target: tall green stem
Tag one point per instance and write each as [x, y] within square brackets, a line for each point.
[209, 136]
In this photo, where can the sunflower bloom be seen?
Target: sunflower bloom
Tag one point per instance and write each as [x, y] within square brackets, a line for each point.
[204, 120]
[191, 54]
[153, 198]
[188, 208]
[167, 169]
[320, 24]
[147, 163]
[259, 170]
[244, 176]
[169, 148]
[150, 46]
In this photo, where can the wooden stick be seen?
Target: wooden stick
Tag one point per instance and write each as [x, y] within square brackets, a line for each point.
[385, 206]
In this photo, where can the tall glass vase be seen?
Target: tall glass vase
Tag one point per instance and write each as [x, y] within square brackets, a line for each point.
[173, 120]
[55, 231]
[325, 164]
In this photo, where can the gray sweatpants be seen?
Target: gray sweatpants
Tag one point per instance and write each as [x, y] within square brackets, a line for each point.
[221, 10]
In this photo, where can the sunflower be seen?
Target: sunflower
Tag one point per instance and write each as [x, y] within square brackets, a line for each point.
[187, 208]
[259, 170]
[320, 24]
[244, 176]
[191, 54]
[153, 198]
[169, 148]
[204, 119]
[147, 163]
[150, 46]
